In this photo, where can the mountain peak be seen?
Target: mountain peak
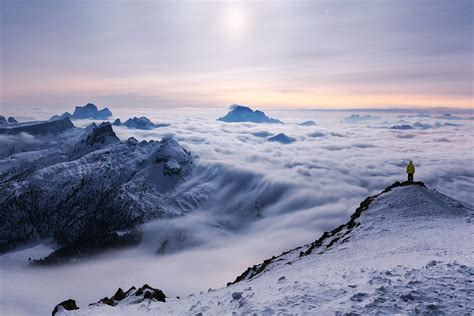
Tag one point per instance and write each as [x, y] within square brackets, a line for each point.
[241, 113]
[401, 203]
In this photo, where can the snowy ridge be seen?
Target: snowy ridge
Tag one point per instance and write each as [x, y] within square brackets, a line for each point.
[339, 235]
[38, 127]
[406, 250]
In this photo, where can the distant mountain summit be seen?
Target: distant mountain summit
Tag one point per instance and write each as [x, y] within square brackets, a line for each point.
[282, 139]
[88, 111]
[240, 113]
[142, 123]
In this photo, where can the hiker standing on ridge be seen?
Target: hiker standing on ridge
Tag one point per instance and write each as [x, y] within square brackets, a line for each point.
[410, 171]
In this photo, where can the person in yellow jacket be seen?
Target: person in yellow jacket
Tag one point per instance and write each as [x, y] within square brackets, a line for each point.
[410, 171]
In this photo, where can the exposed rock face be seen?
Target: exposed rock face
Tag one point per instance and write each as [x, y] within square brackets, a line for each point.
[81, 192]
[132, 296]
[240, 113]
[282, 139]
[39, 128]
[3, 121]
[67, 305]
[117, 122]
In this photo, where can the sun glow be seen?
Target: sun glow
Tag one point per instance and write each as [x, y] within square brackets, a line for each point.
[235, 19]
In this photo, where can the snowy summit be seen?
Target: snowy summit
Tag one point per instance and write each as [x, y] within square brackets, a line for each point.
[406, 250]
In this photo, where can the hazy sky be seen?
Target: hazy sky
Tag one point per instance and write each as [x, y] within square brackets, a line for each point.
[267, 54]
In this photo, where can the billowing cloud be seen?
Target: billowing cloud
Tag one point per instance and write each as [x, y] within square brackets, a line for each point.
[249, 199]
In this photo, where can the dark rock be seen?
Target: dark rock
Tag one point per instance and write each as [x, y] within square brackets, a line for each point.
[119, 295]
[117, 122]
[107, 301]
[236, 295]
[68, 305]
[98, 135]
[151, 293]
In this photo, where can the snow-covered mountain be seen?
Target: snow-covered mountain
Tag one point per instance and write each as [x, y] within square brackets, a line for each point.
[81, 186]
[406, 250]
[240, 113]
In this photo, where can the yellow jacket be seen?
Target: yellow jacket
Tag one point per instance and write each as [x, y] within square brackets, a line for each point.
[411, 168]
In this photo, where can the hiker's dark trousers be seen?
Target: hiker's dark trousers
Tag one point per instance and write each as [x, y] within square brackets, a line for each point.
[410, 177]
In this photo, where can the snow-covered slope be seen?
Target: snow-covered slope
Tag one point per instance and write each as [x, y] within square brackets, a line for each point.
[406, 250]
[82, 186]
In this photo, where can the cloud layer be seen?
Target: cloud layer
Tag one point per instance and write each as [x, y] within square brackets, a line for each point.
[249, 198]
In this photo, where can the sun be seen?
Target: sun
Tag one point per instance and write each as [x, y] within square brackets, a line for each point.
[235, 19]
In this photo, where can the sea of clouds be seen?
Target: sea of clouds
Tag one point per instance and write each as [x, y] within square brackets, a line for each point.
[248, 198]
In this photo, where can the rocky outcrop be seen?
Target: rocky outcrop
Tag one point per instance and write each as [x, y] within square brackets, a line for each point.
[134, 296]
[120, 298]
[67, 305]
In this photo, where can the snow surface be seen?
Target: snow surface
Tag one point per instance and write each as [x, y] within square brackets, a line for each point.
[411, 252]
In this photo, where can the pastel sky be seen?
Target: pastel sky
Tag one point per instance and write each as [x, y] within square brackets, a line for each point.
[306, 54]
